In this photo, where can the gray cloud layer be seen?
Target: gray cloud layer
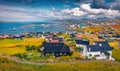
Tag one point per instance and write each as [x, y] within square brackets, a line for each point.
[106, 4]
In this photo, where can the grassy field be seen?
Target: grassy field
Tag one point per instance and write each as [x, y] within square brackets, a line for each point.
[13, 46]
[114, 44]
[116, 50]
[88, 66]
[12, 50]
[116, 54]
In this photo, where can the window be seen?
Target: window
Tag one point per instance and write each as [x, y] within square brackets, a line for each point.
[90, 55]
[60, 53]
[97, 55]
[52, 53]
[64, 53]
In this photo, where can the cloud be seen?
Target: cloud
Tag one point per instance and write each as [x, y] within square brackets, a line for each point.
[82, 1]
[66, 6]
[106, 4]
[86, 11]
[9, 13]
[20, 1]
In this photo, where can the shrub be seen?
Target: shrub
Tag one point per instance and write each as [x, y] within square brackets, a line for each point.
[107, 54]
[24, 56]
[3, 60]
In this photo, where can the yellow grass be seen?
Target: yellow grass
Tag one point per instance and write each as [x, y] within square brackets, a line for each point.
[12, 46]
[114, 44]
[86, 66]
[14, 50]
[91, 37]
[33, 41]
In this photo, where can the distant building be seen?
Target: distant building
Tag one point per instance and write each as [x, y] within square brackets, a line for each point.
[98, 50]
[81, 42]
[56, 40]
[57, 49]
[116, 37]
[4, 36]
[18, 36]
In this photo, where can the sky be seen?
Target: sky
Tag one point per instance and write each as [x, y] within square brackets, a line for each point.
[48, 10]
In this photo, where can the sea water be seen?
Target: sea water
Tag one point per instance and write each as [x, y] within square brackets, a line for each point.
[23, 27]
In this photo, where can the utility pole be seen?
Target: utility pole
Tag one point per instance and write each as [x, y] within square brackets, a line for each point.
[119, 44]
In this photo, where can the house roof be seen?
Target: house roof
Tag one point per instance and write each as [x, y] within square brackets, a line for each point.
[54, 41]
[84, 42]
[53, 44]
[117, 36]
[103, 43]
[99, 46]
[56, 47]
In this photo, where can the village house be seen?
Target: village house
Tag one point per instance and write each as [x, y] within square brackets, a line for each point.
[100, 50]
[4, 36]
[56, 40]
[38, 34]
[81, 42]
[56, 49]
[116, 37]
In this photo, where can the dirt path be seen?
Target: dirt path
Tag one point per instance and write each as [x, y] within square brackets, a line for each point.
[34, 63]
[18, 61]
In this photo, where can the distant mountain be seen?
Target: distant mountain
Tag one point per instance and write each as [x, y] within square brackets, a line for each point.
[104, 19]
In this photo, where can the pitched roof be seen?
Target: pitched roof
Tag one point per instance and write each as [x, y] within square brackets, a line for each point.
[84, 42]
[55, 47]
[53, 44]
[102, 43]
[54, 41]
[99, 46]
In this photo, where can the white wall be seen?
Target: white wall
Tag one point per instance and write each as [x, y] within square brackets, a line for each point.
[101, 55]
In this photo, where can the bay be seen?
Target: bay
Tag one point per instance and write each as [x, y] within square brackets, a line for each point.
[23, 27]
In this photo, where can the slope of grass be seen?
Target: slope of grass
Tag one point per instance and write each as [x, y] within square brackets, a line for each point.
[12, 46]
[89, 66]
[116, 51]
[33, 41]
[114, 44]
[9, 41]
[116, 54]
[7, 65]
[12, 50]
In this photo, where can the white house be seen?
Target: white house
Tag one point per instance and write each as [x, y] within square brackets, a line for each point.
[100, 50]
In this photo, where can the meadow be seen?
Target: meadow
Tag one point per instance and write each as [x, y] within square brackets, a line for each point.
[14, 46]
[86, 66]
[116, 50]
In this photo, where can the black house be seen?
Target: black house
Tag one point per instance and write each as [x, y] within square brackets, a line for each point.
[57, 49]
[82, 42]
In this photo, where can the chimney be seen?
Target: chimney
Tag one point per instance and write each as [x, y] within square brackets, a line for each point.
[94, 43]
[89, 49]
[100, 45]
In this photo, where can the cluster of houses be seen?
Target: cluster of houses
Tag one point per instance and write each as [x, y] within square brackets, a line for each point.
[56, 46]
[12, 36]
[73, 26]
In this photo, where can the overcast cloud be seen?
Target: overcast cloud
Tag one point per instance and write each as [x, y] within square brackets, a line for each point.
[85, 9]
